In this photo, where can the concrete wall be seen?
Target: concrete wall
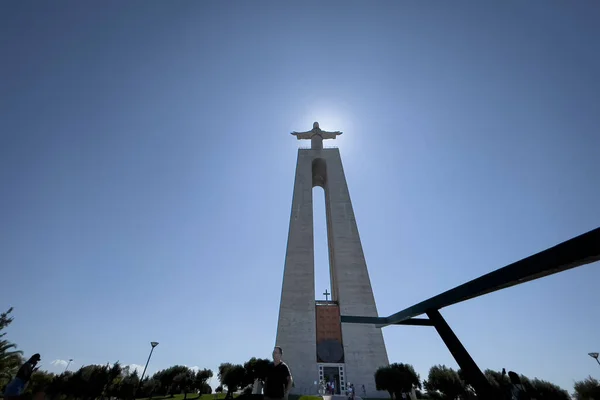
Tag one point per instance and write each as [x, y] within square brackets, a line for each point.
[364, 347]
[296, 331]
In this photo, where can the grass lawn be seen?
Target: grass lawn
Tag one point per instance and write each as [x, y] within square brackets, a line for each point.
[221, 396]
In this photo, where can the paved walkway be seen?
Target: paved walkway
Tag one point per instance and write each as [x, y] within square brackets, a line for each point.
[342, 397]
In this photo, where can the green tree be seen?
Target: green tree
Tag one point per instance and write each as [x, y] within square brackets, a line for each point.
[184, 381]
[148, 386]
[10, 358]
[160, 379]
[528, 385]
[496, 378]
[445, 381]
[166, 377]
[205, 389]
[256, 368]
[113, 379]
[384, 380]
[223, 370]
[587, 389]
[59, 385]
[89, 381]
[469, 390]
[231, 376]
[546, 390]
[76, 384]
[39, 382]
[128, 385]
[397, 378]
[536, 388]
[499, 382]
[201, 378]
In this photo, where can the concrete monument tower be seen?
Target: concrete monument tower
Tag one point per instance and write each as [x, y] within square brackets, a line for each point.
[316, 345]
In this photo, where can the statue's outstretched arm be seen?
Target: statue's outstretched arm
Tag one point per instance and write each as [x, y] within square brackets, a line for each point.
[330, 135]
[303, 135]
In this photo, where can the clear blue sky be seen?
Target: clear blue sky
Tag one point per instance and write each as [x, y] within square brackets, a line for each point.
[146, 171]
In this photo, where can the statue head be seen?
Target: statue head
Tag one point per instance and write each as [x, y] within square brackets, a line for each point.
[315, 125]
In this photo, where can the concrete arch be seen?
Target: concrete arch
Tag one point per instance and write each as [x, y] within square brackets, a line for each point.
[319, 172]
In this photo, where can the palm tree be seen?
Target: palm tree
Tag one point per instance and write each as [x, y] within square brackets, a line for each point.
[10, 358]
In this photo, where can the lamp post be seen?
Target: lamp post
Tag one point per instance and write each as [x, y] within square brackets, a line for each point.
[153, 344]
[69, 363]
[595, 356]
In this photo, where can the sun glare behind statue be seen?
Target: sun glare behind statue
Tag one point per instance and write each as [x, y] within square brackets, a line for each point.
[330, 120]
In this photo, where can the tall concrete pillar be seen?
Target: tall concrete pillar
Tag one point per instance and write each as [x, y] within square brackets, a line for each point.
[314, 342]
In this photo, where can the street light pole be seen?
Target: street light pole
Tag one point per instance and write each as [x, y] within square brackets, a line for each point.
[595, 356]
[69, 363]
[153, 344]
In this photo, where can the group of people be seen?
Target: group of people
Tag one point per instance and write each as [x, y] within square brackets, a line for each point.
[330, 387]
[350, 392]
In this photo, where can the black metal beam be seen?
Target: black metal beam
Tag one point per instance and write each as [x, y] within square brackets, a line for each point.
[364, 320]
[415, 322]
[580, 250]
[473, 374]
[383, 321]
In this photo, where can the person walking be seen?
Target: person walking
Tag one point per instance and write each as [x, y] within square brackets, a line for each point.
[279, 379]
[351, 392]
[16, 387]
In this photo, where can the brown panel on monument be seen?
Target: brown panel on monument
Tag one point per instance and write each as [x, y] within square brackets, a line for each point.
[329, 333]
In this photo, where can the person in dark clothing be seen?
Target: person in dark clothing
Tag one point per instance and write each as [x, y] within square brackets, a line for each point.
[16, 387]
[279, 379]
[517, 390]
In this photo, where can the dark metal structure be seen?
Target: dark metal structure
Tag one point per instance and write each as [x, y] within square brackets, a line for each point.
[578, 251]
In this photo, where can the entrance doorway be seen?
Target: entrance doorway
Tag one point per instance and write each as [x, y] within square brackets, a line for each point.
[332, 375]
